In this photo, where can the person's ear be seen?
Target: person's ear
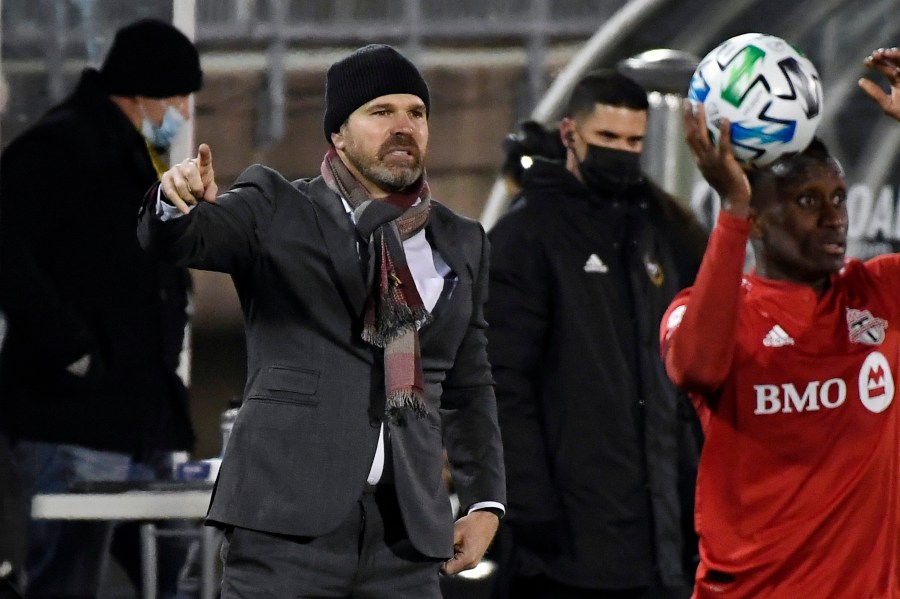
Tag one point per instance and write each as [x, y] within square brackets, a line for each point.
[567, 132]
[337, 140]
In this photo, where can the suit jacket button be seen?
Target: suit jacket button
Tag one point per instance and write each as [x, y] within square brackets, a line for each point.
[374, 422]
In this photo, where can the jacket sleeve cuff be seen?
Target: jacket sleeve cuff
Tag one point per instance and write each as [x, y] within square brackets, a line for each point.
[495, 507]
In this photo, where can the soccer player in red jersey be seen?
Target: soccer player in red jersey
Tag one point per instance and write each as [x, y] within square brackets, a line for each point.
[792, 369]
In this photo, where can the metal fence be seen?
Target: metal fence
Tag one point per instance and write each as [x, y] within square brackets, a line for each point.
[53, 39]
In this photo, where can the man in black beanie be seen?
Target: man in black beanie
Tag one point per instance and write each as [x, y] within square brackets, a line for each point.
[88, 382]
[362, 301]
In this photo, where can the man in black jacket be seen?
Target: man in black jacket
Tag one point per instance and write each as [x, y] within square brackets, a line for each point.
[581, 272]
[88, 379]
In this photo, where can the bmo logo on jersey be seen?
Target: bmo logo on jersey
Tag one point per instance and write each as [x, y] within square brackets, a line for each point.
[875, 384]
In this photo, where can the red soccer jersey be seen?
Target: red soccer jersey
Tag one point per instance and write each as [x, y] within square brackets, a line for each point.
[797, 491]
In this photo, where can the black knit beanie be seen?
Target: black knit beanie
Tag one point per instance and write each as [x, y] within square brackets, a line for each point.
[371, 71]
[151, 58]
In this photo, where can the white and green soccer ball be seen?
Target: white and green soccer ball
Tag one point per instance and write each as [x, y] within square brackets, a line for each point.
[769, 92]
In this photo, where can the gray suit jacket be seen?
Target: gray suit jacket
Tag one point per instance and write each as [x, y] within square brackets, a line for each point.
[301, 449]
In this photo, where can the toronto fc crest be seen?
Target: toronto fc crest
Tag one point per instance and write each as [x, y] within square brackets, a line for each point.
[865, 328]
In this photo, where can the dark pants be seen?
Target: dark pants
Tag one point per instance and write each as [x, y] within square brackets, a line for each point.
[368, 557]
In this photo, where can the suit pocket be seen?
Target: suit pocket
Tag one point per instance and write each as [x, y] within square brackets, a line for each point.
[287, 384]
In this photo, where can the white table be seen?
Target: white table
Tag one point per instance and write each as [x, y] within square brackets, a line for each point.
[146, 506]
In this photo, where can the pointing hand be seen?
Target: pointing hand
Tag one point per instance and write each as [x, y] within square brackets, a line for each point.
[190, 181]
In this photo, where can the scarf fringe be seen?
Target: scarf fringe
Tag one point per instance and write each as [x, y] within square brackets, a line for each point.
[393, 321]
[405, 398]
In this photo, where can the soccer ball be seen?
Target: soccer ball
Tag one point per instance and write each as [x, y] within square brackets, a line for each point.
[769, 92]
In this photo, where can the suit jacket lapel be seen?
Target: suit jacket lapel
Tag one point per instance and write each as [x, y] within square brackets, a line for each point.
[443, 238]
[341, 244]
[345, 255]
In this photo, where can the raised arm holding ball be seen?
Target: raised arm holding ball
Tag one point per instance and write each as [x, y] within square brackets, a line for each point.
[792, 370]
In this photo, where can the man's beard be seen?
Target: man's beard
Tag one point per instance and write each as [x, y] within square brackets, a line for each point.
[389, 178]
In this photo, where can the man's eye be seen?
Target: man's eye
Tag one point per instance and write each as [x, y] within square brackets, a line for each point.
[806, 201]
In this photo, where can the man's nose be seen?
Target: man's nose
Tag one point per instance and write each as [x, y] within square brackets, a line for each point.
[623, 145]
[834, 215]
[183, 106]
[403, 123]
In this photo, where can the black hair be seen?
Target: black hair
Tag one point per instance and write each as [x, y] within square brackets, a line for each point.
[791, 167]
[605, 86]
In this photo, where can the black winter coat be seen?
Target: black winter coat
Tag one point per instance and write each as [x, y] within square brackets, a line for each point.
[74, 281]
[596, 438]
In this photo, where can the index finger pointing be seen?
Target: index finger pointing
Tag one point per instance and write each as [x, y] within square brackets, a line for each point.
[204, 156]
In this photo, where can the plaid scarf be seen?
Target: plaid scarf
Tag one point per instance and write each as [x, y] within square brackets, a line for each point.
[394, 311]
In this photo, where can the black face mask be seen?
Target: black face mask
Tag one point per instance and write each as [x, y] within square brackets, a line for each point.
[607, 171]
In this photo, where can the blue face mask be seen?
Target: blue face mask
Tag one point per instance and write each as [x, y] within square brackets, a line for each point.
[161, 136]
